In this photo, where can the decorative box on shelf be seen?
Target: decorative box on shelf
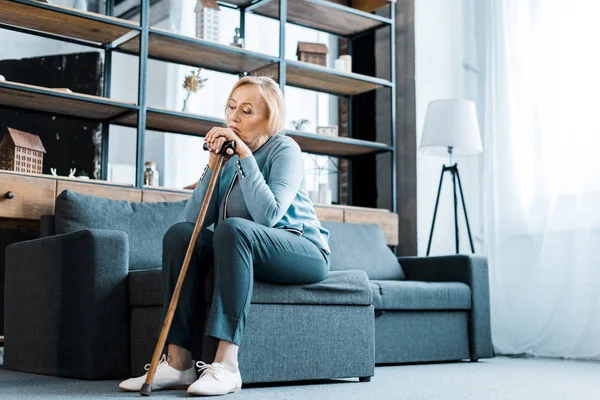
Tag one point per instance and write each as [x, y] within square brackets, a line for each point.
[364, 5]
[327, 130]
[370, 5]
[314, 53]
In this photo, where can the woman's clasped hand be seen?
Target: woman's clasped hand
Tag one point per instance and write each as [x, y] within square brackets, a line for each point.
[217, 137]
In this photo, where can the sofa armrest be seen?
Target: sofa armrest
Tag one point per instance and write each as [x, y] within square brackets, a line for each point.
[66, 303]
[47, 225]
[468, 269]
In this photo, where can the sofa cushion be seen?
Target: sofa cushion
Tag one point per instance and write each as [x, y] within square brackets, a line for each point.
[362, 246]
[144, 223]
[414, 295]
[339, 288]
[146, 288]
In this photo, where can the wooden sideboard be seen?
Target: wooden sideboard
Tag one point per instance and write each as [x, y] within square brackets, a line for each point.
[25, 197]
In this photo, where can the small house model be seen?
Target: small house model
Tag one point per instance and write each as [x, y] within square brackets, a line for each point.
[22, 152]
[314, 53]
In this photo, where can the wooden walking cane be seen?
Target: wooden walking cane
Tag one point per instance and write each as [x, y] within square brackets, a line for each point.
[147, 386]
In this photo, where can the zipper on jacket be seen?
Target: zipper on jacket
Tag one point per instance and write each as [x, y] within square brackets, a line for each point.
[227, 196]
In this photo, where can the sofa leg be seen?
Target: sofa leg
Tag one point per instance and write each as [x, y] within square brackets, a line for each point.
[474, 359]
[365, 379]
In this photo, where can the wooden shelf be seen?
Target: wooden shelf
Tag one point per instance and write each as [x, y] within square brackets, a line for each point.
[64, 21]
[66, 178]
[335, 146]
[167, 189]
[322, 15]
[158, 119]
[327, 80]
[162, 120]
[169, 47]
[54, 101]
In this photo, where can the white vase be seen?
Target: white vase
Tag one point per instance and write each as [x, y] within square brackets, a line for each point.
[313, 195]
[324, 193]
[348, 60]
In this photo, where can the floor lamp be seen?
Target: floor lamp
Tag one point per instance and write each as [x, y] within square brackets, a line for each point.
[451, 128]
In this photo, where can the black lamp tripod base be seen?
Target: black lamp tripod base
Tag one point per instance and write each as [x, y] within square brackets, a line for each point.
[453, 169]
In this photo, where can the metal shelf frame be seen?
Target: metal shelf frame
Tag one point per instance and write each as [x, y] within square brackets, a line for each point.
[142, 32]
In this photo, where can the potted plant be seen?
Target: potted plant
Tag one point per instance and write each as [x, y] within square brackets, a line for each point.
[300, 125]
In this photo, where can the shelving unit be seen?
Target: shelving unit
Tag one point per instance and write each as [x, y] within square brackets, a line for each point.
[113, 34]
[169, 47]
[326, 80]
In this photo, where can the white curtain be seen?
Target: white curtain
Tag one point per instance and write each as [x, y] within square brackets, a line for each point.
[541, 132]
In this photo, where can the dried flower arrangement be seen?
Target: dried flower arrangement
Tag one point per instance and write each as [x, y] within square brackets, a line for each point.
[192, 83]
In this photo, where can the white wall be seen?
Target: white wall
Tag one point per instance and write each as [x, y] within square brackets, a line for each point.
[444, 42]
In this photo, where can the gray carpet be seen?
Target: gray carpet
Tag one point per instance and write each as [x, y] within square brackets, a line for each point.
[499, 378]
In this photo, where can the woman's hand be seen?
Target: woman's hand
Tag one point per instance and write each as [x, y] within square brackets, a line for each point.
[215, 139]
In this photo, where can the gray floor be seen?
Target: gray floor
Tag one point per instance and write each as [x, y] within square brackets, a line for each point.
[499, 378]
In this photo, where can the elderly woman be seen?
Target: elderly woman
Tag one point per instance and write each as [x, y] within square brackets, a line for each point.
[264, 226]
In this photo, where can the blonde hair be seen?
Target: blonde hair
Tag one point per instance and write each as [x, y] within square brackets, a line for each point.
[273, 98]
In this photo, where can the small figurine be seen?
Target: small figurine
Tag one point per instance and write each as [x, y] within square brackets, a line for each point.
[72, 172]
[237, 40]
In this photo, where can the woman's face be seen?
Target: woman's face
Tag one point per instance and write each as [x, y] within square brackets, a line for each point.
[247, 114]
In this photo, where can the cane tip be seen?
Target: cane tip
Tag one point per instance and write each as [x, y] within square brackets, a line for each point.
[146, 389]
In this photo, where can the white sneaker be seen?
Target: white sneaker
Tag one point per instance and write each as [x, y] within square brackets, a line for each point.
[166, 377]
[216, 379]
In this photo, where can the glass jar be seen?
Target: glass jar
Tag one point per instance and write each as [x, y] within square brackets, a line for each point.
[150, 174]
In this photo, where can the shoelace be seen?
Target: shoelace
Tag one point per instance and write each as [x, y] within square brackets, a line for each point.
[216, 370]
[162, 363]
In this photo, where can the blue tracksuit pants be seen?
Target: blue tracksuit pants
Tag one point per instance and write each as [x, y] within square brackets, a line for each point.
[238, 251]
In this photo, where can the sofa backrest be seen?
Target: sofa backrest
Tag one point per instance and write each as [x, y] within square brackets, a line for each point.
[144, 223]
[362, 246]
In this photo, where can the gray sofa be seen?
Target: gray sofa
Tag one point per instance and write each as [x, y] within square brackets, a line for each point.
[84, 301]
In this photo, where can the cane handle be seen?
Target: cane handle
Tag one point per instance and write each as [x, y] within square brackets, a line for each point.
[226, 146]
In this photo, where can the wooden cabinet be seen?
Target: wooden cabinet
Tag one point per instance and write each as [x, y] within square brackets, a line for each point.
[33, 196]
[154, 195]
[26, 197]
[388, 221]
[100, 190]
[330, 213]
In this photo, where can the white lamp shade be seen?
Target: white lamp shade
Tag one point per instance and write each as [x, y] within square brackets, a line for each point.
[451, 123]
